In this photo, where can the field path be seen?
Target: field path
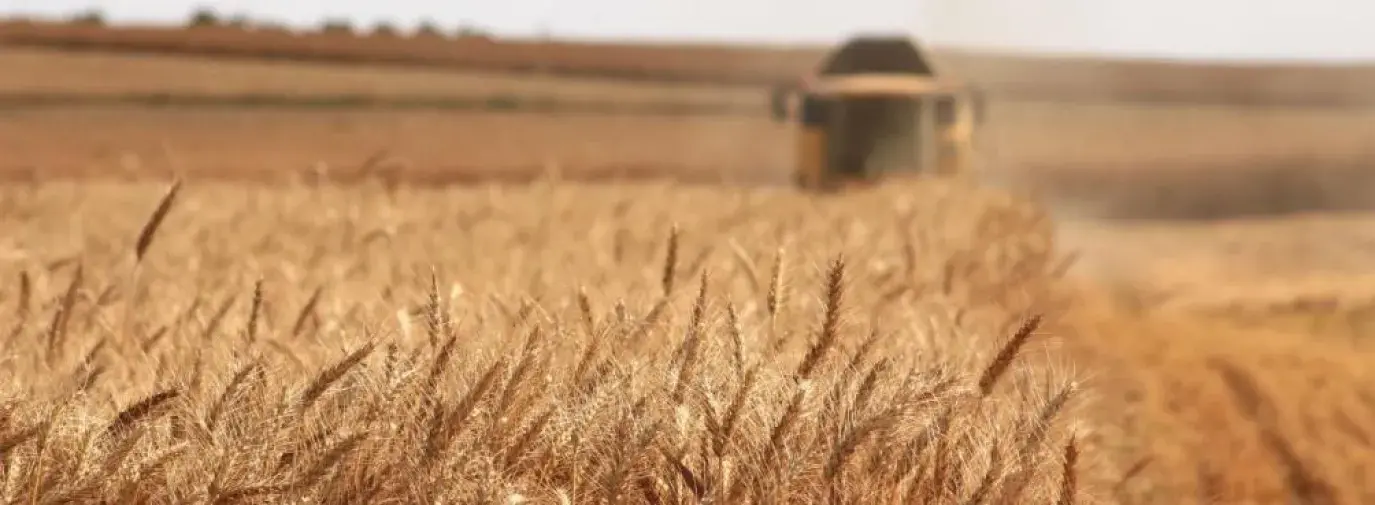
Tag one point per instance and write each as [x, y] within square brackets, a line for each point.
[1228, 358]
[1212, 263]
[1202, 411]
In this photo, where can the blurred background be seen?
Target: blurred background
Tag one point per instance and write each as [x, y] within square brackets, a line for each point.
[1112, 112]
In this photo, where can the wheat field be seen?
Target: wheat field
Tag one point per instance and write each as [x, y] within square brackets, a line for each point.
[552, 343]
[212, 342]
[254, 336]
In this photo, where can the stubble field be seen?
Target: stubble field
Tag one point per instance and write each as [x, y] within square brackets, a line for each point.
[66, 73]
[1026, 77]
[1089, 159]
[249, 119]
[419, 146]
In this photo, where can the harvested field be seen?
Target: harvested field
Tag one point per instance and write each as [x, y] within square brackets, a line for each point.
[1059, 78]
[1115, 137]
[1125, 159]
[624, 61]
[1221, 412]
[690, 343]
[59, 73]
[1209, 190]
[434, 147]
[1171, 161]
[1295, 249]
[1308, 272]
[1093, 160]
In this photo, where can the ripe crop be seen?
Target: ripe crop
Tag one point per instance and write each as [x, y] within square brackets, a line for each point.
[552, 343]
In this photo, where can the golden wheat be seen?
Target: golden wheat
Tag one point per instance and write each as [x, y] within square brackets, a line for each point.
[508, 343]
[557, 359]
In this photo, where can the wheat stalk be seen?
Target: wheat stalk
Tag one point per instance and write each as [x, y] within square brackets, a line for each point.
[1006, 355]
[830, 325]
[141, 410]
[150, 228]
[328, 376]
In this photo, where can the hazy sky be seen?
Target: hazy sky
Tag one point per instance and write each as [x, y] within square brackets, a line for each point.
[1246, 29]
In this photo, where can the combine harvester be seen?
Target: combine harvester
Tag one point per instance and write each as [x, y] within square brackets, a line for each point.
[876, 109]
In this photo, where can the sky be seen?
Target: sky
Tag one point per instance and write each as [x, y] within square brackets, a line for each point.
[1312, 30]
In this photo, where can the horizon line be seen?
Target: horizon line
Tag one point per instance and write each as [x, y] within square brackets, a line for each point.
[992, 50]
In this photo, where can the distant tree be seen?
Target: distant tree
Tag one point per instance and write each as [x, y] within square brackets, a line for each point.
[90, 17]
[203, 17]
[339, 26]
[428, 28]
[385, 29]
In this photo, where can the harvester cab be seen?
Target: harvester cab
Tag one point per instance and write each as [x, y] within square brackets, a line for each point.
[875, 109]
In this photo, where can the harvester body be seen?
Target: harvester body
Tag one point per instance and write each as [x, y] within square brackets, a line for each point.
[874, 111]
